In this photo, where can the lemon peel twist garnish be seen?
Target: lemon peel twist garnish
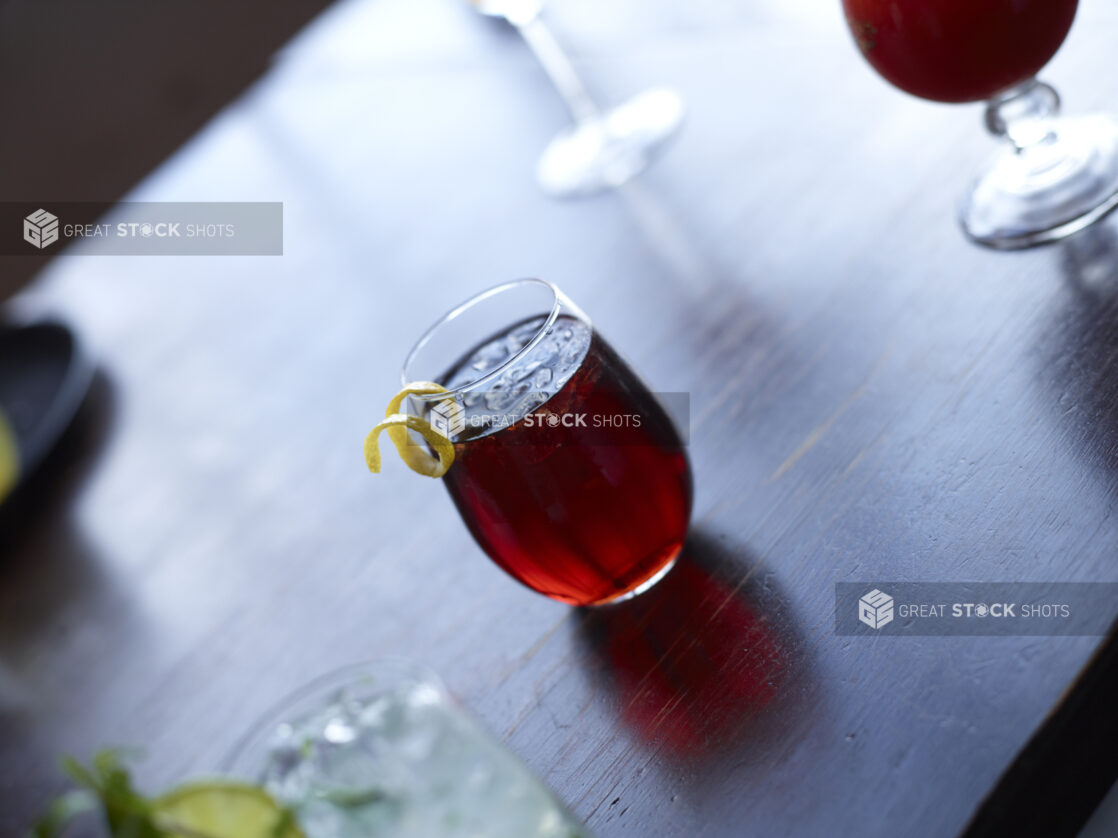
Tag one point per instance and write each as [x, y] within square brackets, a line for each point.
[398, 424]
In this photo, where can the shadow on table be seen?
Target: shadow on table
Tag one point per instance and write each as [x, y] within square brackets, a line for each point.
[702, 663]
[45, 562]
[50, 577]
[46, 492]
[1081, 352]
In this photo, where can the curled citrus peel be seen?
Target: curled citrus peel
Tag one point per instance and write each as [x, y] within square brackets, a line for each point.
[398, 424]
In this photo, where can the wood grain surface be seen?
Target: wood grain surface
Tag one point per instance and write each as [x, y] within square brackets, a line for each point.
[871, 397]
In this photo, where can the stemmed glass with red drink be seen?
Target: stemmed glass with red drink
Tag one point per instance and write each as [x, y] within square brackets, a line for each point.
[567, 470]
[1056, 175]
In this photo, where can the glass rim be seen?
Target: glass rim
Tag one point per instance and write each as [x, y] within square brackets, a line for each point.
[272, 716]
[460, 309]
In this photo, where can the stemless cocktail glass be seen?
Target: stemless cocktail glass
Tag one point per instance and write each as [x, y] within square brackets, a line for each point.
[568, 472]
[1056, 175]
[380, 750]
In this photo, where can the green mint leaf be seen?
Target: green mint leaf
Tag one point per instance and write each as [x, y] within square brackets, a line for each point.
[108, 786]
[82, 776]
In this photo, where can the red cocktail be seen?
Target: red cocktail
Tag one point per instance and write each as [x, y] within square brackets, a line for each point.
[567, 470]
[1057, 175]
[959, 50]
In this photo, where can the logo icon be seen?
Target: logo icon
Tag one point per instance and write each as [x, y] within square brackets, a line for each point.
[448, 418]
[40, 228]
[875, 609]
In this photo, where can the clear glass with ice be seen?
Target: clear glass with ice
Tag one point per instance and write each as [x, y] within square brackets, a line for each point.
[381, 749]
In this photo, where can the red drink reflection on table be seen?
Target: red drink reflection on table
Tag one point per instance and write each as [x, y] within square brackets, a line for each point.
[567, 470]
[695, 667]
[959, 50]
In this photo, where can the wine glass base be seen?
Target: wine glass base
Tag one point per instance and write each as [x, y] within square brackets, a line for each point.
[1046, 192]
[605, 152]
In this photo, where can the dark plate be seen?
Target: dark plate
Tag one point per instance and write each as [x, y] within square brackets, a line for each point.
[44, 377]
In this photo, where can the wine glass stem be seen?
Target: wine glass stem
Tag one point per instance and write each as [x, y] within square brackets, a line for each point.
[559, 69]
[1025, 115]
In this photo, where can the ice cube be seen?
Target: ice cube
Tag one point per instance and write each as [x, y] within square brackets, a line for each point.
[574, 349]
[489, 357]
[503, 398]
[542, 378]
[526, 331]
[526, 371]
[546, 351]
[339, 732]
[497, 398]
[528, 404]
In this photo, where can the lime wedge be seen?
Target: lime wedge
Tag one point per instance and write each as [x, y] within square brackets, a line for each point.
[9, 458]
[223, 809]
[398, 424]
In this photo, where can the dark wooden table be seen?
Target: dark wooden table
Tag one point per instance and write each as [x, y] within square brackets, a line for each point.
[871, 397]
